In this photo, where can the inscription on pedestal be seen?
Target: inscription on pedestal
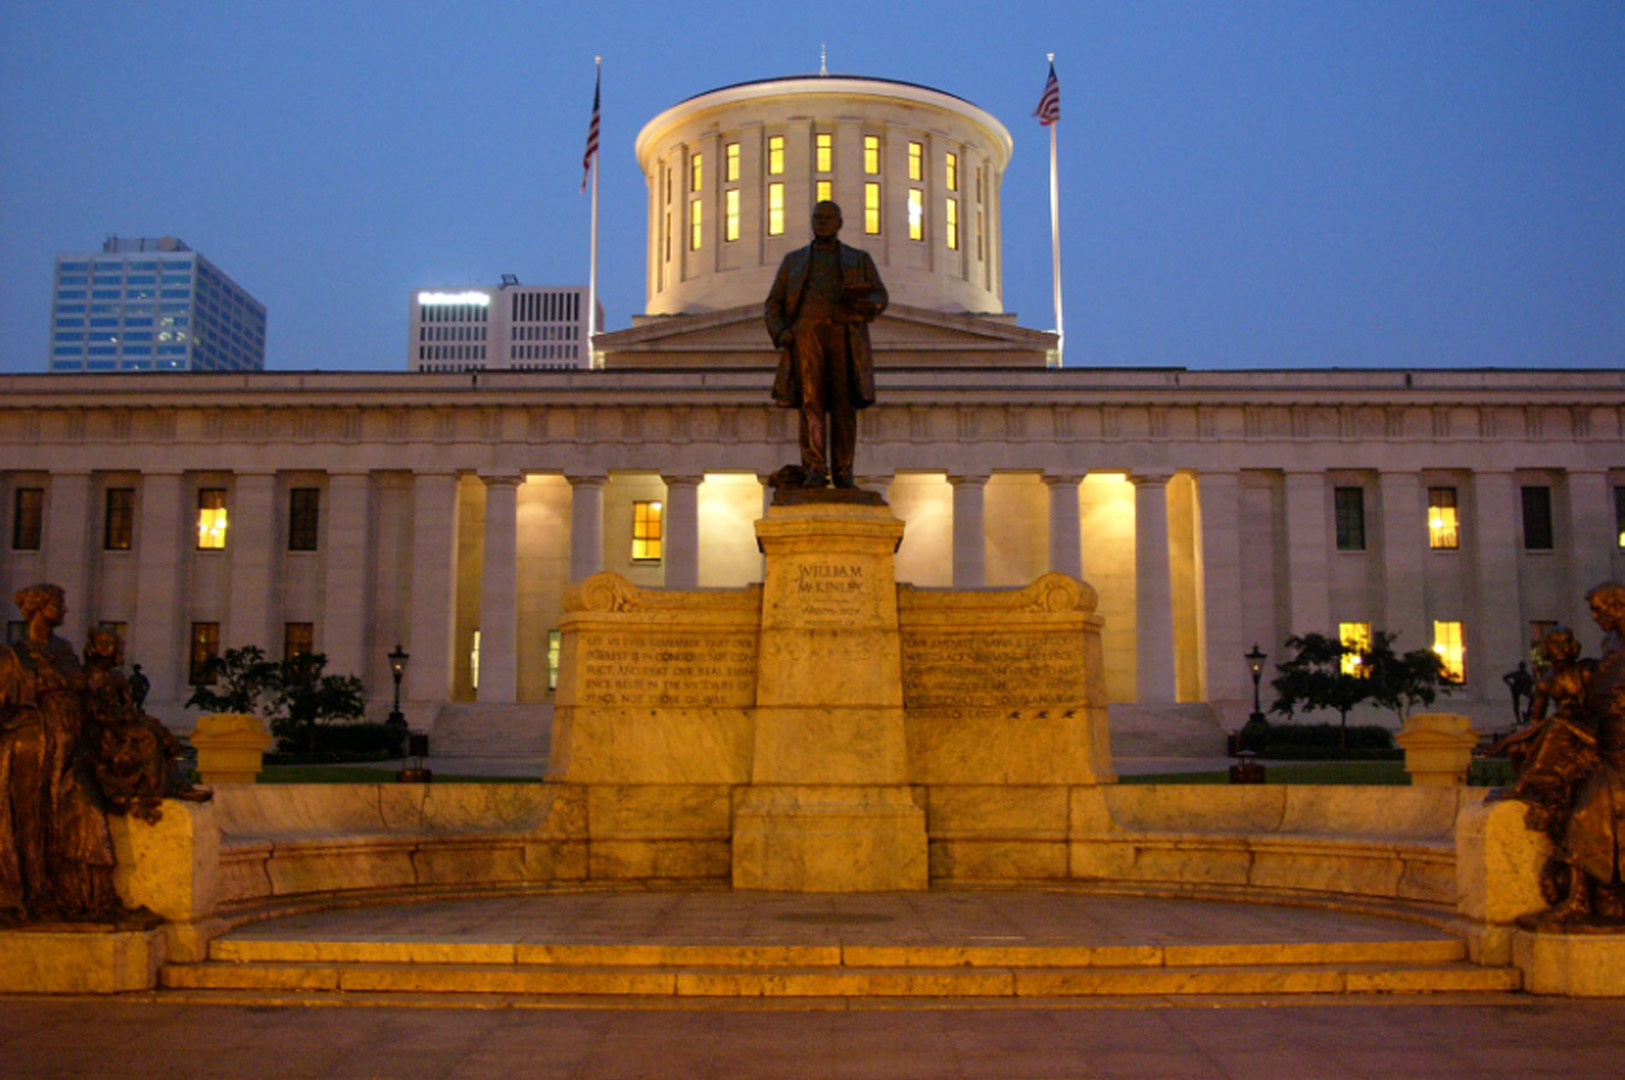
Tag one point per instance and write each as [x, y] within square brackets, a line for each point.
[832, 593]
[668, 670]
[991, 671]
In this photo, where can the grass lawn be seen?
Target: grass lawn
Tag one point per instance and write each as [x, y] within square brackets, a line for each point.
[1311, 772]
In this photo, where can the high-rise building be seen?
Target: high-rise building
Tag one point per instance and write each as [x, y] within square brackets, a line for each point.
[508, 326]
[152, 305]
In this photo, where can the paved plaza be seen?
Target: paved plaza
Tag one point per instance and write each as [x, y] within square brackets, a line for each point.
[1514, 1037]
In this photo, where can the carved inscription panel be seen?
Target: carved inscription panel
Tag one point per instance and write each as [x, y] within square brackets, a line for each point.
[991, 670]
[666, 669]
[833, 592]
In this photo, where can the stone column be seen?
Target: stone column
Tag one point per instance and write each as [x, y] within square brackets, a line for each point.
[586, 525]
[346, 580]
[1309, 576]
[970, 534]
[1219, 495]
[1404, 547]
[1153, 591]
[1065, 530]
[499, 591]
[67, 549]
[159, 644]
[1591, 541]
[1498, 639]
[434, 586]
[251, 543]
[682, 531]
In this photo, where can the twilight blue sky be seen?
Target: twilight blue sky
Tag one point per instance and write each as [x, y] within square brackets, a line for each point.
[1264, 184]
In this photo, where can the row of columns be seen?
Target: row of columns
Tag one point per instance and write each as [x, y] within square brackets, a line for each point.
[681, 533]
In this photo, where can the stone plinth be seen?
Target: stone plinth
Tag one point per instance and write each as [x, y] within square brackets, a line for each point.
[1572, 965]
[829, 808]
[79, 959]
[230, 747]
[1438, 748]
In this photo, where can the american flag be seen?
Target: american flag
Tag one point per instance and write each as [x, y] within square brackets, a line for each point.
[1049, 102]
[592, 134]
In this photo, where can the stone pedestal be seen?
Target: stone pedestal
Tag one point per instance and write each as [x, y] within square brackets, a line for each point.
[1438, 748]
[829, 808]
[230, 747]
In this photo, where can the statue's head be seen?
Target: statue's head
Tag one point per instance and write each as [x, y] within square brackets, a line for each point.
[1559, 646]
[826, 220]
[45, 599]
[103, 646]
[1608, 605]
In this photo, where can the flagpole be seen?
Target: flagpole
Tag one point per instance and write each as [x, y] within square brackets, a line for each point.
[1055, 232]
[592, 261]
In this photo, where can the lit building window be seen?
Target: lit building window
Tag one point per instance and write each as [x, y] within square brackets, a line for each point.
[27, 518]
[646, 533]
[730, 222]
[1357, 636]
[979, 254]
[304, 518]
[1538, 629]
[916, 214]
[1619, 515]
[951, 171]
[694, 225]
[1452, 653]
[871, 209]
[1444, 527]
[667, 243]
[205, 647]
[826, 191]
[731, 162]
[298, 639]
[823, 152]
[916, 161]
[775, 155]
[696, 171]
[775, 209]
[871, 154]
[952, 207]
[1349, 507]
[211, 519]
[474, 660]
[118, 522]
[553, 644]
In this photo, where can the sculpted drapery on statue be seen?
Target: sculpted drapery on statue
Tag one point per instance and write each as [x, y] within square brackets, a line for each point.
[1571, 771]
[56, 854]
[818, 314]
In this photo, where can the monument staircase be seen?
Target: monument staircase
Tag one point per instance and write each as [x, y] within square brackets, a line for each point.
[972, 948]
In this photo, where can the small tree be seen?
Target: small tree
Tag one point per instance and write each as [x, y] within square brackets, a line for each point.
[1314, 679]
[239, 681]
[306, 699]
[1400, 683]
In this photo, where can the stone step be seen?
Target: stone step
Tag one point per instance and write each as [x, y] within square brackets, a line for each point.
[770, 957]
[830, 981]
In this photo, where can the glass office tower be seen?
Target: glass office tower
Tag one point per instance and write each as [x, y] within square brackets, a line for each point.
[152, 305]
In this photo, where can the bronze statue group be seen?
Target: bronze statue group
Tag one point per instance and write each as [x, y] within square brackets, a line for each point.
[1570, 762]
[74, 748]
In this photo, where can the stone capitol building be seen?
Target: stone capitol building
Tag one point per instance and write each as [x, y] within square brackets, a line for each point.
[448, 511]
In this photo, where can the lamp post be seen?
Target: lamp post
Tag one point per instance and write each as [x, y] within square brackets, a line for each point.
[397, 668]
[1255, 664]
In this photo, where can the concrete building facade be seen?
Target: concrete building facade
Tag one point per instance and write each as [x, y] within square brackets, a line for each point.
[349, 512]
[508, 326]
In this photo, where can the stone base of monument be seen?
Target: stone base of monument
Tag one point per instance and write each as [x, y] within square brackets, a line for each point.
[829, 839]
[1571, 964]
[79, 959]
[802, 726]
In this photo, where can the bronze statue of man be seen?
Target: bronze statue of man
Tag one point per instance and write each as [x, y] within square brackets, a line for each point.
[818, 314]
